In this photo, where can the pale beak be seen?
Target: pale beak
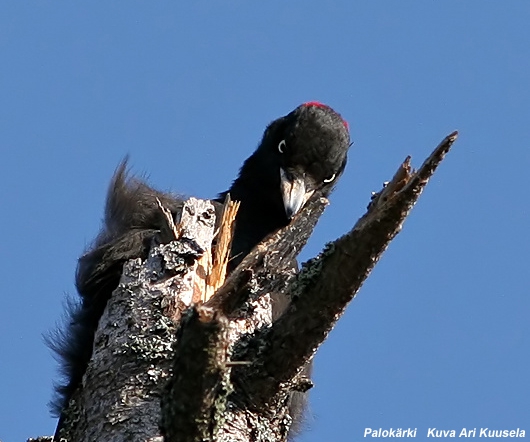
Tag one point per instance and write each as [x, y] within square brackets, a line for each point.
[294, 193]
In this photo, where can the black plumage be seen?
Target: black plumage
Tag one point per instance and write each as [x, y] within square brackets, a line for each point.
[301, 153]
[309, 145]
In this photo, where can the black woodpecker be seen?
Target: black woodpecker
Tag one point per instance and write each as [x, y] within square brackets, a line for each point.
[301, 153]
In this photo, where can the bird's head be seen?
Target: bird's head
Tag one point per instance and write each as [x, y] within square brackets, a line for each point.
[307, 150]
[301, 154]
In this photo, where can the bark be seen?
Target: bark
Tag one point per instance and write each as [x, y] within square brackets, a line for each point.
[133, 347]
[168, 369]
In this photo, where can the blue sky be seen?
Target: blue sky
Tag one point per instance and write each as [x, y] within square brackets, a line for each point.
[439, 335]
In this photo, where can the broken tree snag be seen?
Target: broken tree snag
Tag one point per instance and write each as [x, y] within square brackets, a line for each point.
[133, 346]
[168, 367]
[327, 283]
[194, 403]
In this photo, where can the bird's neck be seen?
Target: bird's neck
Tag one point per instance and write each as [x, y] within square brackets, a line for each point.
[261, 210]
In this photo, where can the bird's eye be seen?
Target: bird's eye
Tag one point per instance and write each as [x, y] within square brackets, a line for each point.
[330, 179]
[281, 146]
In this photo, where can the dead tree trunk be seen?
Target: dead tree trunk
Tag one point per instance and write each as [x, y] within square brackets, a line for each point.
[171, 365]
